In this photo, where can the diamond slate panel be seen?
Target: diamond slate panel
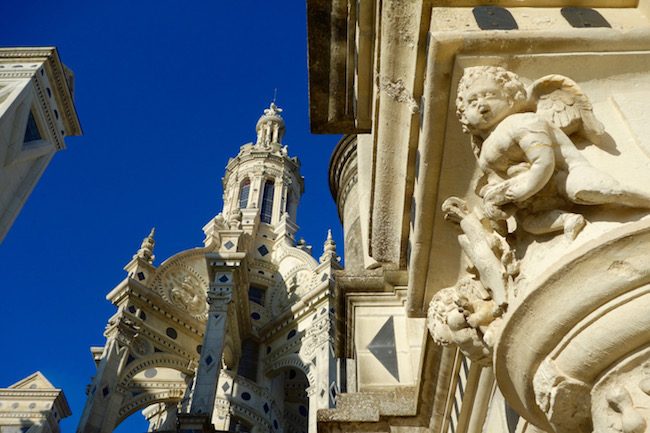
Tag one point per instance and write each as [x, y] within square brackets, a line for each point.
[263, 250]
[383, 347]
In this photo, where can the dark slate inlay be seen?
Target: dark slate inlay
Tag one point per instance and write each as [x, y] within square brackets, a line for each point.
[228, 245]
[171, 333]
[105, 391]
[256, 316]
[245, 396]
[140, 276]
[263, 250]
[324, 277]
[223, 278]
[31, 132]
[512, 418]
[383, 348]
[266, 408]
[494, 18]
[131, 309]
[150, 373]
[291, 334]
[142, 315]
[208, 360]
[225, 387]
[584, 17]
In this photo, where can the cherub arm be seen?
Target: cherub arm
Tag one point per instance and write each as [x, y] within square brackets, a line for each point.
[537, 146]
[541, 158]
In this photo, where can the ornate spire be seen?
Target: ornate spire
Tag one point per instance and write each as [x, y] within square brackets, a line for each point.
[146, 248]
[329, 249]
[270, 127]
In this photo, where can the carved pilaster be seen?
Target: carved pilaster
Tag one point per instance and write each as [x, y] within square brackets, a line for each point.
[207, 375]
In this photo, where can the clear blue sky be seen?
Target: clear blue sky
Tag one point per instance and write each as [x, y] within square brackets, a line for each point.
[166, 92]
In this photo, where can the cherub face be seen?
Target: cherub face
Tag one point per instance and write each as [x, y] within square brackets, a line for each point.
[486, 104]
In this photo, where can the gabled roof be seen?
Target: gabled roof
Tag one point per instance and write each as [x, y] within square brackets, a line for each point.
[33, 381]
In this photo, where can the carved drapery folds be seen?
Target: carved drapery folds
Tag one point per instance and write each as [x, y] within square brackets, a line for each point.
[563, 317]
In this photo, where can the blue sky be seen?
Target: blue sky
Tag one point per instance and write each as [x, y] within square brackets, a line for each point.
[166, 92]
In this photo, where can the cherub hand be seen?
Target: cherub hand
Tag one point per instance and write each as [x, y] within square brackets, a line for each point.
[498, 194]
[495, 196]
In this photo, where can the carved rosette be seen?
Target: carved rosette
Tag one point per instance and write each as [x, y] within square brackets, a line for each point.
[184, 288]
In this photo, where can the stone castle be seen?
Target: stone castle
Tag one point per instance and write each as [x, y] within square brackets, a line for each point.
[493, 186]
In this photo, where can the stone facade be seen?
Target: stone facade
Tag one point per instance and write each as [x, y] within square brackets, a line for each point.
[36, 114]
[236, 334]
[493, 182]
[32, 405]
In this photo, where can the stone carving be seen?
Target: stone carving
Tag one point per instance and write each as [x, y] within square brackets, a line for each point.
[491, 258]
[565, 401]
[234, 222]
[468, 314]
[140, 346]
[533, 179]
[188, 295]
[465, 315]
[524, 140]
[185, 291]
[620, 401]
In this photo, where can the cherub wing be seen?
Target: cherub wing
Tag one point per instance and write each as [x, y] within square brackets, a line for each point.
[559, 100]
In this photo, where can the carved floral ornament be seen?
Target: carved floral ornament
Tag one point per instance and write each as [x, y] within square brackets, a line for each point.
[185, 289]
[534, 183]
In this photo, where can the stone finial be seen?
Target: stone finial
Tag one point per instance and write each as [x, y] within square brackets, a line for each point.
[329, 249]
[146, 248]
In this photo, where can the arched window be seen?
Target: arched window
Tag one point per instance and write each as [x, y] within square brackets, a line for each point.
[243, 193]
[267, 202]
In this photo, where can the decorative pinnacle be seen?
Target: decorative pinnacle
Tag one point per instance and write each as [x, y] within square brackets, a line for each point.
[329, 249]
[146, 248]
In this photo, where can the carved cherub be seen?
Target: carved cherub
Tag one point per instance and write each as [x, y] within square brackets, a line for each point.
[521, 139]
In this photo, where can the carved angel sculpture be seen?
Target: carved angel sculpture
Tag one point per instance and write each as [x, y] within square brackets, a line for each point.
[523, 142]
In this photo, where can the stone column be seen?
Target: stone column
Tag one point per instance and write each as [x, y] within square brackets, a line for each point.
[207, 375]
[105, 399]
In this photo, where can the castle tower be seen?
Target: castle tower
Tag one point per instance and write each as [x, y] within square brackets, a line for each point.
[235, 335]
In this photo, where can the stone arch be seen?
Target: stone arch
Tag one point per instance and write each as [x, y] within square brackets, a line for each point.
[250, 415]
[291, 361]
[146, 399]
[156, 360]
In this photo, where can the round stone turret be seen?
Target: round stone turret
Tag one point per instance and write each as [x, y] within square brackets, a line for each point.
[263, 176]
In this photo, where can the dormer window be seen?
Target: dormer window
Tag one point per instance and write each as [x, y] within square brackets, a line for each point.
[267, 202]
[32, 133]
[243, 193]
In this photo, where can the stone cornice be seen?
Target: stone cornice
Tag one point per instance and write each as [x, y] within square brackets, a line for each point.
[56, 74]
